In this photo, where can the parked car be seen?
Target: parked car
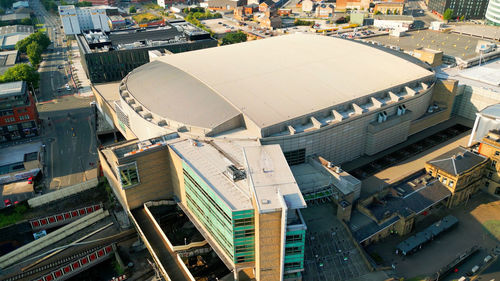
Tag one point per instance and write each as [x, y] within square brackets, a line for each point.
[7, 202]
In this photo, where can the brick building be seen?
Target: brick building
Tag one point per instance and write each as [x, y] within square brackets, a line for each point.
[18, 114]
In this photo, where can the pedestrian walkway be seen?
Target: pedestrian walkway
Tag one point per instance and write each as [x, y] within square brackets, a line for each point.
[166, 257]
[79, 77]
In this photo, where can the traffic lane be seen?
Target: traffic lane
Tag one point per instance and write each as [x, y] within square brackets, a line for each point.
[73, 150]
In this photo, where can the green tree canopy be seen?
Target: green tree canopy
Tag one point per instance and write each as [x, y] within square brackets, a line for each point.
[232, 38]
[34, 52]
[132, 10]
[448, 14]
[41, 38]
[21, 72]
[83, 4]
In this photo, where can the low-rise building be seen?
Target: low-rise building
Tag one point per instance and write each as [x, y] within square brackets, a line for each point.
[225, 5]
[109, 56]
[324, 10]
[394, 209]
[19, 4]
[389, 8]
[7, 60]
[11, 34]
[18, 113]
[396, 22]
[19, 162]
[15, 18]
[267, 5]
[460, 171]
[117, 22]
[307, 6]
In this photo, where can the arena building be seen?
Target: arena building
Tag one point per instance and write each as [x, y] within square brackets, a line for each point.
[216, 131]
[298, 93]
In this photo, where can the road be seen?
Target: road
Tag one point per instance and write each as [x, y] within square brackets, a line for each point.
[422, 17]
[68, 119]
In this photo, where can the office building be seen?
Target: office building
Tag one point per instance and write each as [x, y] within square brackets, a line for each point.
[493, 12]
[241, 196]
[18, 113]
[75, 20]
[110, 56]
[469, 9]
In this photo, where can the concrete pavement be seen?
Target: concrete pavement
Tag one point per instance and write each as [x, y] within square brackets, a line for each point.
[68, 120]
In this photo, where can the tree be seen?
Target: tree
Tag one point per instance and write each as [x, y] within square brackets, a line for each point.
[41, 38]
[26, 21]
[21, 72]
[34, 52]
[83, 4]
[448, 14]
[232, 38]
[132, 10]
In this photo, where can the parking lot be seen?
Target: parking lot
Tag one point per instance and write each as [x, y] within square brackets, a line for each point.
[329, 253]
[474, 216]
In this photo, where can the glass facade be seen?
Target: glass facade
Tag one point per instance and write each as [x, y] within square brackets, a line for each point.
[294, 251]
[234, 232]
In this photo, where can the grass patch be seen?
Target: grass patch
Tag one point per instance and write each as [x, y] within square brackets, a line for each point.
[13, 215]
[145, 18]
[493, 227]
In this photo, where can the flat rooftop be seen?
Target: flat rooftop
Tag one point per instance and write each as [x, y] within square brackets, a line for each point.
[109, 91]
[310, 178]
[294, 76]
[456, 45]
[10, 29]
[208, 161]
[478, 30]
[486, 76]
[271, 179]
[133, 38]
[12, 89]
[15, 154]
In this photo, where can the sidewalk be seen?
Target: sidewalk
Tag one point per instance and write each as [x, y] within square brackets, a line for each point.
[78, 75]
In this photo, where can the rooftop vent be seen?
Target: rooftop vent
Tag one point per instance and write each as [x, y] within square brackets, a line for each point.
[235, 173]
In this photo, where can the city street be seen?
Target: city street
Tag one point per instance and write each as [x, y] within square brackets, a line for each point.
[68, 120]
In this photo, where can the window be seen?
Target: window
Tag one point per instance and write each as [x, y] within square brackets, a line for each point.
[494, 164]
[295, 157]
[497, 190]
[292, 265]
[243, 222]
[497, 153]
[293, 250]
[293, 238]
[439, 177]
[244, 233]
[444, 180]
[486, 184]
[490, 175]
[450, 183]
[128, 175]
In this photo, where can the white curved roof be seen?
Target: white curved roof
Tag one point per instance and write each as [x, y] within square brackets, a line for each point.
[273, 80]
